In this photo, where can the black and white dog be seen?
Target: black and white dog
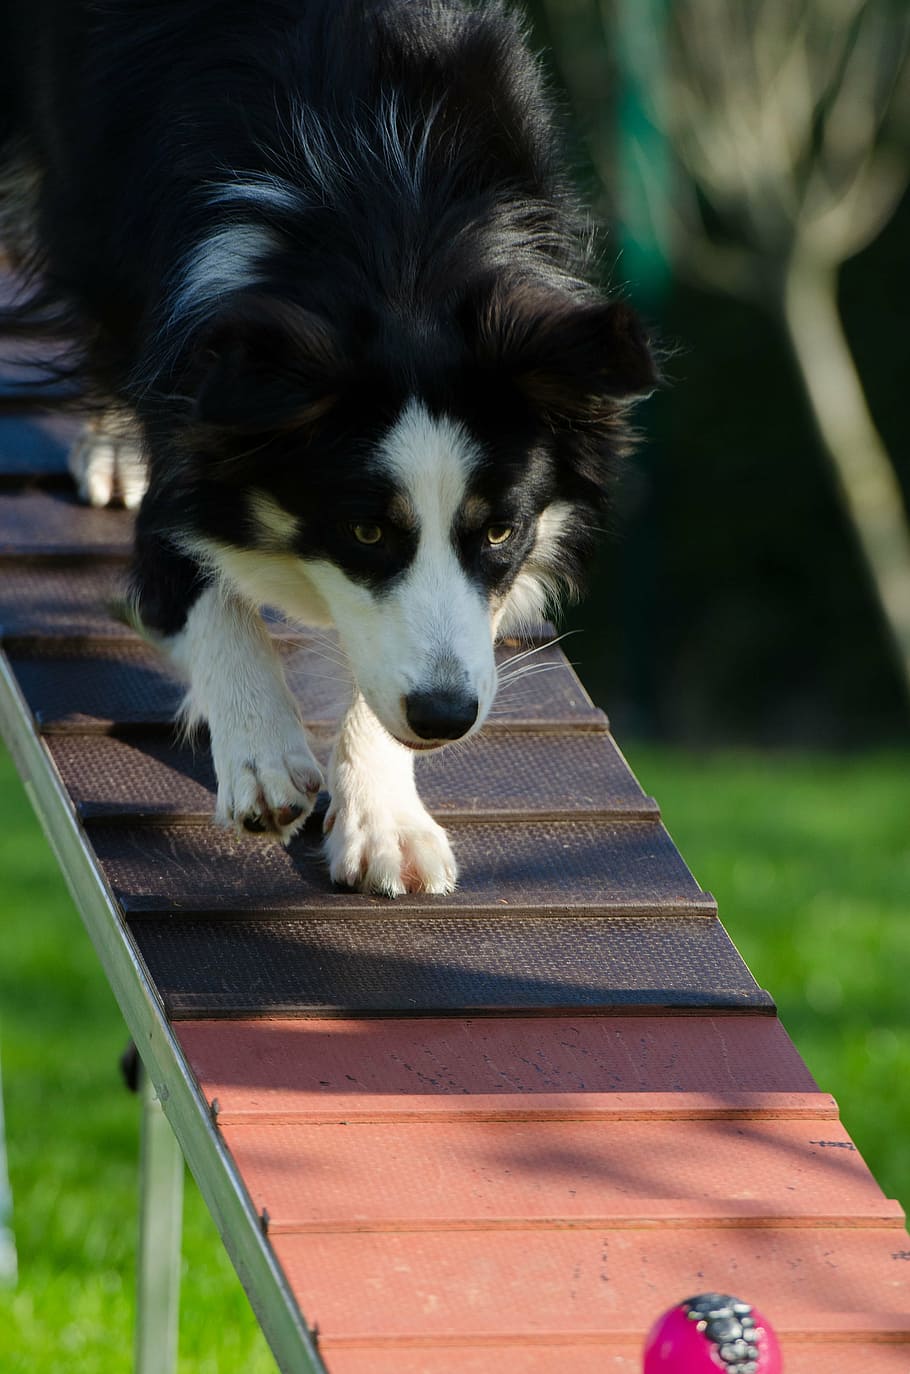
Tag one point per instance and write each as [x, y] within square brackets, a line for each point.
[325, 270]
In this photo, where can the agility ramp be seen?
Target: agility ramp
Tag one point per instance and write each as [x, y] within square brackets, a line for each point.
[496, 1133]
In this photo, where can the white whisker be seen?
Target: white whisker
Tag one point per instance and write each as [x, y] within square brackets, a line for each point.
[535, 649]
[531, 670]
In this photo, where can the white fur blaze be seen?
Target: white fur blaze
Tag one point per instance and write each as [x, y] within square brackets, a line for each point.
[268, 779]
[379, 836]
[106, 462]
[432, 631]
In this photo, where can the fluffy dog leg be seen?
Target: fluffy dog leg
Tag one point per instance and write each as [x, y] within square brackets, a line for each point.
[379, 835]
[268, 779]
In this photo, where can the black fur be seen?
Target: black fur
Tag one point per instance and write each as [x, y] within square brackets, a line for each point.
[424, 242]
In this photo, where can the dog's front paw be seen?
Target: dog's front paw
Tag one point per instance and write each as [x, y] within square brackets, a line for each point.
[388, 852]
[106, 463]
[266, 788]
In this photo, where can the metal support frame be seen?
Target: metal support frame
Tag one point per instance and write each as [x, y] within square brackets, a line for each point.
[160, 1231]
[7, 1243]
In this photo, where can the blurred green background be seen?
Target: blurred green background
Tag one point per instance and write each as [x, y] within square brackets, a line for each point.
[732, 602]
[734, 629]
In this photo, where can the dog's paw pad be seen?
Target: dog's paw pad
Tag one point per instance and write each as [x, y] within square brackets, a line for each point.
[268, 793]
[389, 855]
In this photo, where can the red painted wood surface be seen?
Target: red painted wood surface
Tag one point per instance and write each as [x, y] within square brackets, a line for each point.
[514, 1196]
[515, 1286]
[802, 1358]
[553, 1173]
[291, 1069]
[548, 1359]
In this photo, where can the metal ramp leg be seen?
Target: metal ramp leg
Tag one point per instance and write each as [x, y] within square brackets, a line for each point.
[160, 1226]
[7, 1243]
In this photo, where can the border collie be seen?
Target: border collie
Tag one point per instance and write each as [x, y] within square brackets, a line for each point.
[325, 272]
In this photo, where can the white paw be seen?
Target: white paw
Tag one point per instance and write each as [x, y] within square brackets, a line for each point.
[388, 852]
[264, 786]
[106, 463]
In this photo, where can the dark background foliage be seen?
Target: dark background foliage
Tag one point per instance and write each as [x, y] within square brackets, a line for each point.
[729, 602]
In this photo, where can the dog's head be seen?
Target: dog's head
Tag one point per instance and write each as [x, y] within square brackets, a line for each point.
[428, 482]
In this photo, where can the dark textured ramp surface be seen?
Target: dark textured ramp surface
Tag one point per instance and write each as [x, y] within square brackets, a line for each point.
[541, 866]
[151, 776]
[94, 687]
[442, 965]
[49, 521]
[61, 599]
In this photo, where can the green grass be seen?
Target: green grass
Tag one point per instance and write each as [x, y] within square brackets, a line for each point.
[809, 859]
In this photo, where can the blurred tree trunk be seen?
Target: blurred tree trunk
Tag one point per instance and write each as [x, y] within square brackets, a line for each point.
[868, 484]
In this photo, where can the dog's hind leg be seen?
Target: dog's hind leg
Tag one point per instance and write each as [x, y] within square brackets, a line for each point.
[106, 461]
[379, 835]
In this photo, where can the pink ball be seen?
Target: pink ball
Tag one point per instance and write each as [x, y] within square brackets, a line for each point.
[710, 1333]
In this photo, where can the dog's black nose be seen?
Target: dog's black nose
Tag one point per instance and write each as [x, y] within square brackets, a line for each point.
[440, 715]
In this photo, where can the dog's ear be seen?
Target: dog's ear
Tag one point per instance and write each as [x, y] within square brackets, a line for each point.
[575, 360]
[266, 365]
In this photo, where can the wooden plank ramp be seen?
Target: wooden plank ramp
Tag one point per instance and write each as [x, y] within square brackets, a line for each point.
[497, 1133]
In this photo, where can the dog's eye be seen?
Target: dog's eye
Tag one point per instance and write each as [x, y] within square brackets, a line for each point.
[367, 534]
[498, 534]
